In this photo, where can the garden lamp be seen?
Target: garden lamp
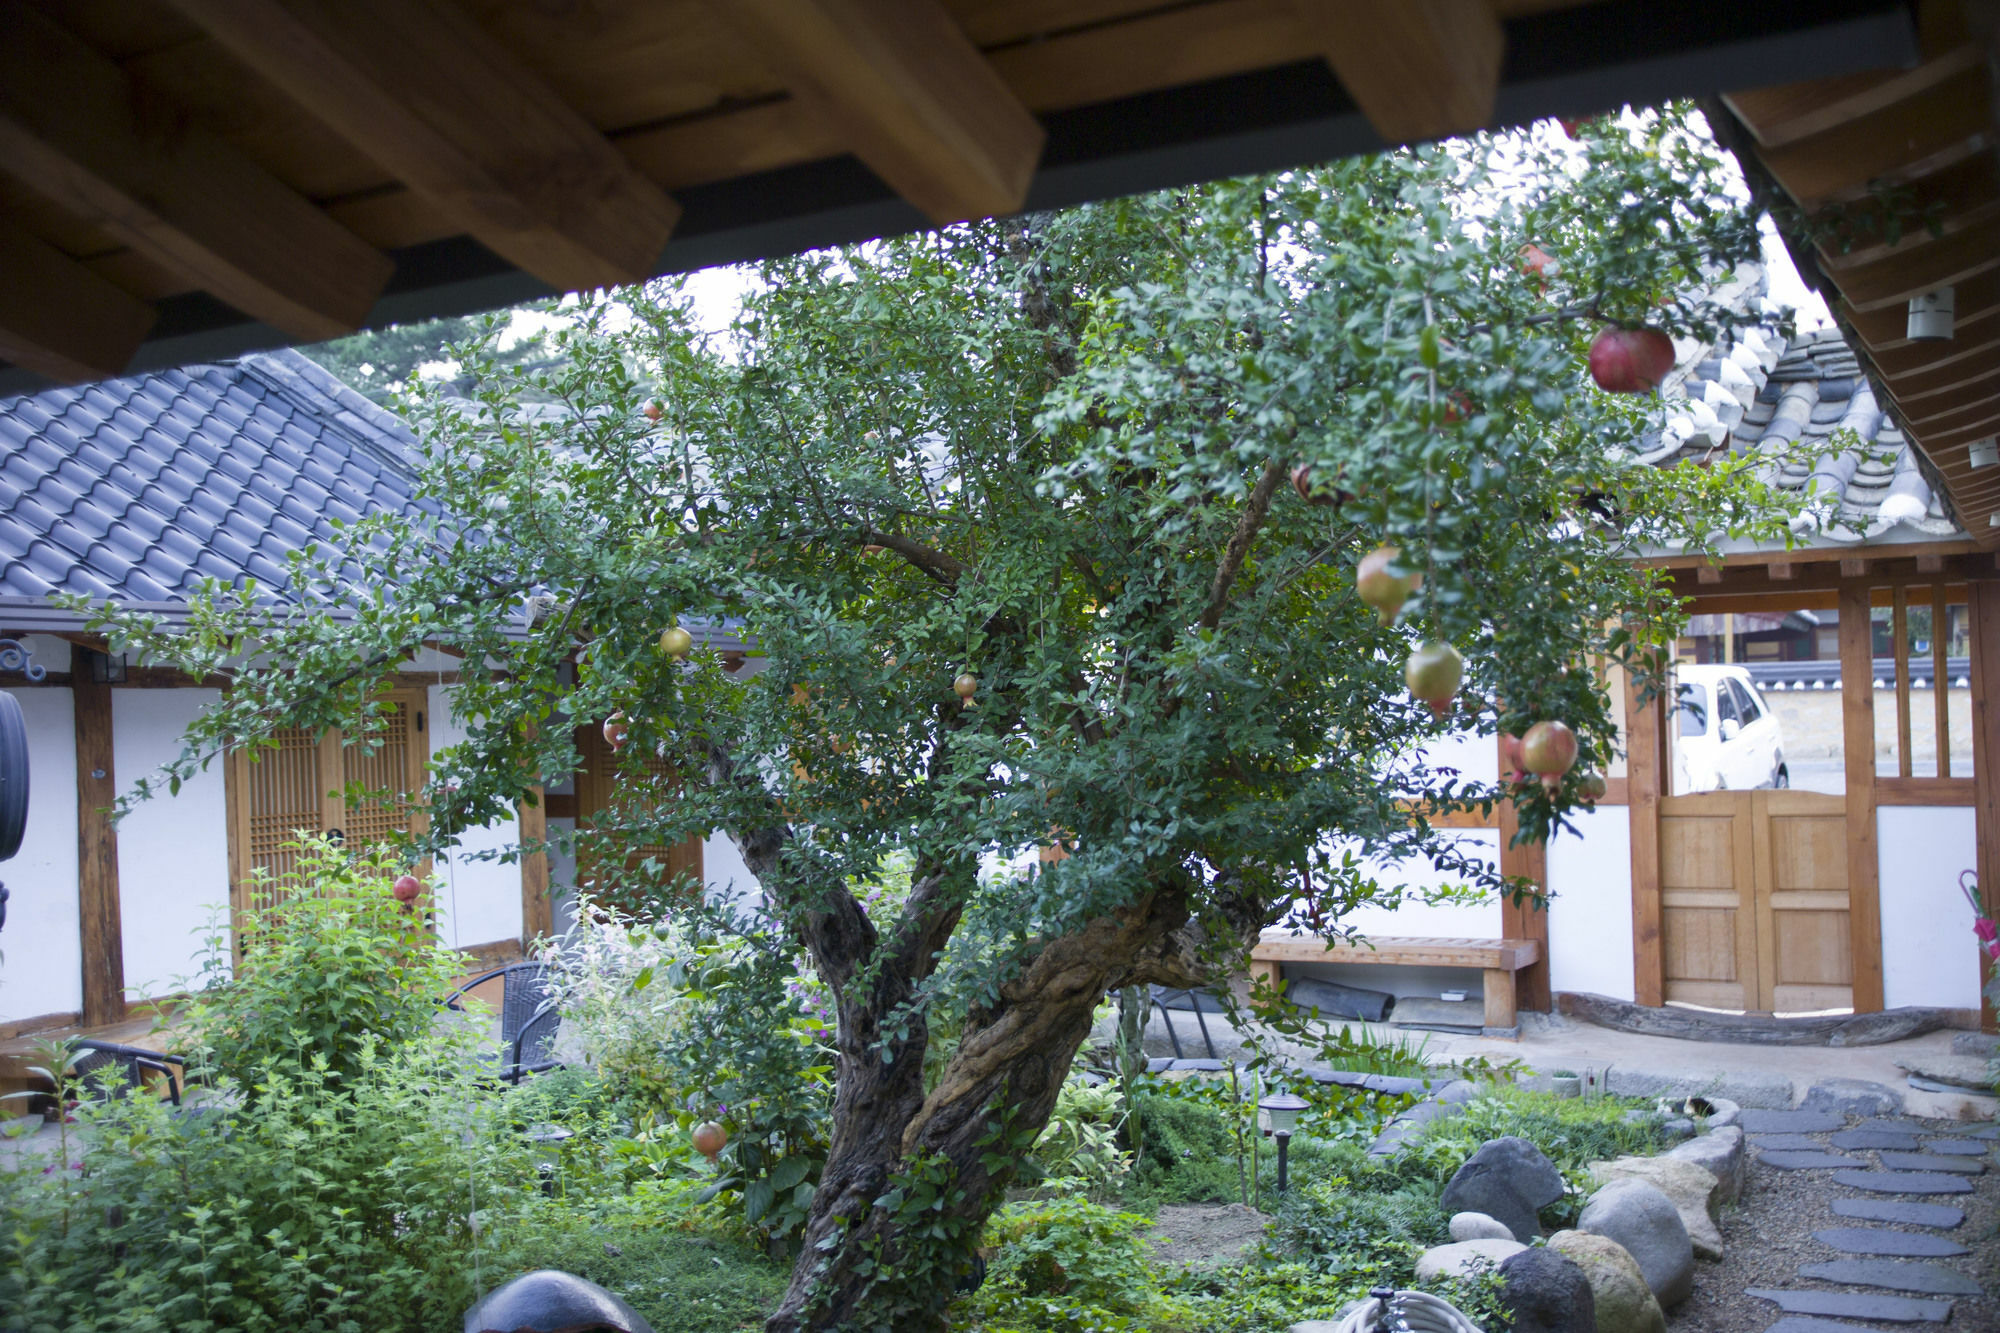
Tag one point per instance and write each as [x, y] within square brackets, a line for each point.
[545, 1142]
[1283, 1109]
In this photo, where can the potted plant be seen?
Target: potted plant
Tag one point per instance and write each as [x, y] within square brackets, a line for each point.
[1565, 1083]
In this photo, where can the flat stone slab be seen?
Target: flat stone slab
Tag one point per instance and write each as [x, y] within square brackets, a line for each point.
[1894, 1244]
[1887, 1125]
[1896, 1274]
[1791, 1323]
[1903, 1182]
[1792, 1122]
[1804, 1161]
[1987, 1132]
[1787, 1143]
[1957, 1147]
[1851, 1305]
[1924, 1161]
[1874, 1138]
[1906, 1214]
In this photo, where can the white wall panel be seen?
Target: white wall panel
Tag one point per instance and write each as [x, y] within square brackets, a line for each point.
[41, 958]
[479, 901]
[1929, 956]
[1590, 919]
[173, 851]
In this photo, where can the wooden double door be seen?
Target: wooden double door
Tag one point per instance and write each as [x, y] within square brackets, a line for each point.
[1754, 907]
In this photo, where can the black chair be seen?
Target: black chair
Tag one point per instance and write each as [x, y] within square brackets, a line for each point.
[133, 1063]
[528, 1017]
[1168, 1000]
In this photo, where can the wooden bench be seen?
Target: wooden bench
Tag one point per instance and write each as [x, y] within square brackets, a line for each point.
[1499, 960]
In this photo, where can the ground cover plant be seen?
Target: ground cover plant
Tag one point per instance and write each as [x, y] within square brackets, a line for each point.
[1046, 533]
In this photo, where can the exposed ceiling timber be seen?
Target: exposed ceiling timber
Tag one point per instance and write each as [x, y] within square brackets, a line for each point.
[60, 319]
[74, 127]
[1419, 69]
[908, 93]
[426, 92]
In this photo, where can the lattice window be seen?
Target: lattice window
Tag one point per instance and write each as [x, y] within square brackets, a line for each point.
[604, 785]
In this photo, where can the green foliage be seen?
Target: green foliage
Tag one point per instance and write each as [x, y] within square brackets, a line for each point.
[1063, 1263]
[380, 362]
[1078, 1149]
[1188, 1154]
[331, 961]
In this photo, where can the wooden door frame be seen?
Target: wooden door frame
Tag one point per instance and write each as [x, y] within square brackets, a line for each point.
[1983, 606]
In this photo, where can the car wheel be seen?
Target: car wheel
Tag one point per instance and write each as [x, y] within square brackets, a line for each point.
[1782, 778]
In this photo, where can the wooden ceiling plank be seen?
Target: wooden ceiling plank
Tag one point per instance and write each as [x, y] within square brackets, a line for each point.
[1978, 299]
[1176, 46]
[447, 110]
[1947, 372]
[71, 127]
[1963, 194]
[59, 319]
[908, 93]
[1939, 121]
[1961, 416]
[1790, 112]
[1919, 268]
[1914, 363]
[1418, 69]
[1980, 381]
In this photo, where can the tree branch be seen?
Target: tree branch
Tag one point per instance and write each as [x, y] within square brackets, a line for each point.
[1252, 518]
[944, 569]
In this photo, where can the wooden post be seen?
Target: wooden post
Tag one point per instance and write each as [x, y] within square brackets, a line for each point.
[1941, 678]
[537, 912]
[1643, 768]
[1983, 597]
[99, 926]
[1527, 920]
[1857, 710]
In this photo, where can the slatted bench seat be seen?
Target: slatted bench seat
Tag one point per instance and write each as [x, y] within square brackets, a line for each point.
[1499, 960]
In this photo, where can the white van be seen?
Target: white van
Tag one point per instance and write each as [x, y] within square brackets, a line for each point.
[1726, 738]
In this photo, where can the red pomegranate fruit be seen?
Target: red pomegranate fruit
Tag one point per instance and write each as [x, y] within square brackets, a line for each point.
[1434, 672]
[654, 411]
[616, 732]
[1511, 767]
[1549, 749]
[1381, 589]
[1630, 360]
[407, 888]
[709, 1139]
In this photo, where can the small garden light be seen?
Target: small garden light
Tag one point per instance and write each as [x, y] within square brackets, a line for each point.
[1283, 1109]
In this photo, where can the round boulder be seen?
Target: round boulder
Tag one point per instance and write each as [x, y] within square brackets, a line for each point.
[1547, 1293]
[1509, 1180]
[1477, 1226]
[1647, 1224]
[1465, 1258]
[1624, 1303]
[547, 1301]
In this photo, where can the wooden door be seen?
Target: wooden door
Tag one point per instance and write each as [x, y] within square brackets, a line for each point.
[606, 783]
[1754, 910]
[301, 788]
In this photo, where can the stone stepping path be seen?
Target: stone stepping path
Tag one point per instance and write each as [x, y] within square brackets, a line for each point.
[1913, 1275]
[1953, 1147]
[1892, 1244]
[1903, 1182]
[1791, 1122]
[1874, 1138]
[1787, 1143]
[1805, 1161]
[1849, 1305]
[1938, 1215]
[1792, 1323]
[1924, 1161]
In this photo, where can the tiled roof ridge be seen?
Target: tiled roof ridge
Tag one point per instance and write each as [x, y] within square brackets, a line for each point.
[312, 388]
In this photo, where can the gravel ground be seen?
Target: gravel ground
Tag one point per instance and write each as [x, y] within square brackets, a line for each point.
[1768, 1236]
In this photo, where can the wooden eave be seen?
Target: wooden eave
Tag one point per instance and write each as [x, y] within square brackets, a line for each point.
[1888, 185]
[188, 179]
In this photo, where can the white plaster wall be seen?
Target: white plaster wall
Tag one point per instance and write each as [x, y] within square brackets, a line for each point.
[479, 901]
[1475, 757]
[1590, 918]
[726, 878]
[41, 958]
[173, 851]
[1928, 950]
[46, 651]
[1480, 919]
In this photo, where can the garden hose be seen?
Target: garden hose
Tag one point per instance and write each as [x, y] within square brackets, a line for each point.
[1387, 1311]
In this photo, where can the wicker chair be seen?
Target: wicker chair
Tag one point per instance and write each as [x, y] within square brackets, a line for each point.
[528, 1018]
[133, 1063]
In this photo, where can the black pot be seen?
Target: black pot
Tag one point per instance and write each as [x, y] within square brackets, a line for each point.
[13, 775]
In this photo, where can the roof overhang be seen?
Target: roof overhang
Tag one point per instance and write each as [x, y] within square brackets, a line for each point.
[327, 173]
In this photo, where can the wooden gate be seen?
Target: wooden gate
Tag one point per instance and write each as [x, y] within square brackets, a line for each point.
[1754, 901]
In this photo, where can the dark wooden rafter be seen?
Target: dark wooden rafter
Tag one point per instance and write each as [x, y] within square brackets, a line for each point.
[1418, 69]
[73, 124]
[907, 92]
[58, 318]
[450, 112]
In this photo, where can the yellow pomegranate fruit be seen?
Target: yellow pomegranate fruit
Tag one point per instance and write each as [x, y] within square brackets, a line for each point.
[1381, 589]
[676, 642]
[1549, 749]
[1434, 673]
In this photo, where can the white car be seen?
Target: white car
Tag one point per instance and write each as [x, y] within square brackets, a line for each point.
[1726, 736]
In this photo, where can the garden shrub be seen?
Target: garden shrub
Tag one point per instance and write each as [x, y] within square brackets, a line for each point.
[1069, 1264]
[1187, 1152]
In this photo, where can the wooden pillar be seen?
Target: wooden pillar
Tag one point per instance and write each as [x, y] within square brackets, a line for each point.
[537, 912]
[1984, 599]
[98, 917]
[1643, 769]
[1527, 920]
[1857, 711]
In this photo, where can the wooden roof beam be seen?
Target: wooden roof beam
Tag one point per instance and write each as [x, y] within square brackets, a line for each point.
[1418, 69]
[906, 92]
[59, 319]
[73, 128]
[445, 108]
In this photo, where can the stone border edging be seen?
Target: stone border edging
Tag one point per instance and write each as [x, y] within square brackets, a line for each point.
[1687, 1025]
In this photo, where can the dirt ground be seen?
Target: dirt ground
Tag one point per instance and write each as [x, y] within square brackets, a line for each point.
[1205, 1234]
[1769, 1236]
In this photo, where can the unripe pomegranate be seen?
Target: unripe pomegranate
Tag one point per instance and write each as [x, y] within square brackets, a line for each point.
[615, 731]
[1434, 673]
[1549, 749]
[407, 888]
[676, 642]
[1630, 360]
[1380, 588]
[710, 1139]
[965, 686]
[1591, 787]
[1511, 767]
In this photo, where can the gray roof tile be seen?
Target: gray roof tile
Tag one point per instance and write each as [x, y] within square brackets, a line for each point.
[137, 488]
